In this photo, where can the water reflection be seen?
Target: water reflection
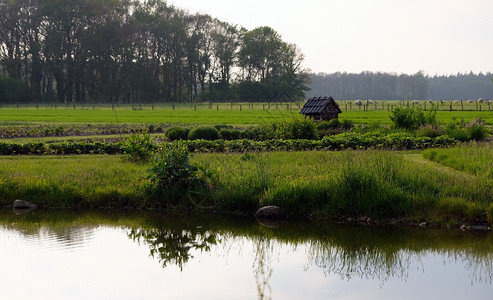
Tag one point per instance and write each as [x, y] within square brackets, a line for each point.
[173, 246]
[349, 252]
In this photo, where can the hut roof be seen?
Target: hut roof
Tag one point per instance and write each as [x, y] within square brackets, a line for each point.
[316, 105]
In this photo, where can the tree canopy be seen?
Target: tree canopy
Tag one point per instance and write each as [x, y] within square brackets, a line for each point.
[138, 51]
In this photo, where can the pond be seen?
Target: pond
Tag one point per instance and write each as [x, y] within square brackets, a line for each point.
[98, 255]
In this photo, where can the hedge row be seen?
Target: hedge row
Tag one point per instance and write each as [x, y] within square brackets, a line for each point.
[393, 141]
[64, 148]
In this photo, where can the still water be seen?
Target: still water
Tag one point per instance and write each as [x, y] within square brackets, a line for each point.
[94, 255]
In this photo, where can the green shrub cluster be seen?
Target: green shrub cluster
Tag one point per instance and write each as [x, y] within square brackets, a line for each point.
[174, 133]
[396, 141]
[345, 124]
[174, 180]
[64, 148]
[460, 130]
[296, 128]
[413, 117]
[139, 147]
[140, 150]
[72, 129]
[230, 134]
[204, 132]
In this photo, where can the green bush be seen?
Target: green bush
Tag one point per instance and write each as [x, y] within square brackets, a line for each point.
[347, 124]
[429, 130]
[177, 133]
[260, 133]
[413, 117]
[139, 147]
[230, 134]
[221, 126]
[204, 133]
[476, 130]
[332, 124]
[171, 167]
[458, 134]
[462, 131]
[297, 128]
[172, 176]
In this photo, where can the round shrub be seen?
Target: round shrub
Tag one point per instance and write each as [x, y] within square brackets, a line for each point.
[177, 133]
[230, 134]
[205, 133]
[221, 126]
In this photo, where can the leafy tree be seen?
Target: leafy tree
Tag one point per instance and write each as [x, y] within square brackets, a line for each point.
[134, 51]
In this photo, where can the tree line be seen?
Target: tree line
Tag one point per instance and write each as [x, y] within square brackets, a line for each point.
[391, 86]
[138, 51]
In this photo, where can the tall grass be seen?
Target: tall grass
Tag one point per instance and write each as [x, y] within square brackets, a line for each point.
[351, 183]
[378, 184]
[68, 181]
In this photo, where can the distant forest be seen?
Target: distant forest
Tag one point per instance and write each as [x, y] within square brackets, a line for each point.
[129, 51]
[387, 86]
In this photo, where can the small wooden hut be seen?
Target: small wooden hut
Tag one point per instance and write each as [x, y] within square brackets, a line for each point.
[321, 109]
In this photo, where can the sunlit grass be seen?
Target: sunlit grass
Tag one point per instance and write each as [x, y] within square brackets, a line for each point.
[69, 181]
[379, 184]
[476, 159]
[216, 113]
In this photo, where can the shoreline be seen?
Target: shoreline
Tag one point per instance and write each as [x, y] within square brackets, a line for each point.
[384, 186]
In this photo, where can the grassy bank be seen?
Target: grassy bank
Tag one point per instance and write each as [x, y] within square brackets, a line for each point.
[378, 184]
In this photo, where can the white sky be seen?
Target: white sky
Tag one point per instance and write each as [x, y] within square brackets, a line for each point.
[402, 36]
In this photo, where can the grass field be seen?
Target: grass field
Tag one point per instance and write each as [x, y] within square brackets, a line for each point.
[378, 184]
[240, 114]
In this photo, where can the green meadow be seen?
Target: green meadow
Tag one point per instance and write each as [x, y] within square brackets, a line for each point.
[239, 114]
[387, 186]
[447, 186]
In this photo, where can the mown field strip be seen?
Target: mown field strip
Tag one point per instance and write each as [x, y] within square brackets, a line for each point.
[202, 115]
[418, 159]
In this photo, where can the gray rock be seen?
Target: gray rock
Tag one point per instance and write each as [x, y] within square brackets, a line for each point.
[479, 228]
[23, 205]
[463, 227]
[423, 224]
[270, 212]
